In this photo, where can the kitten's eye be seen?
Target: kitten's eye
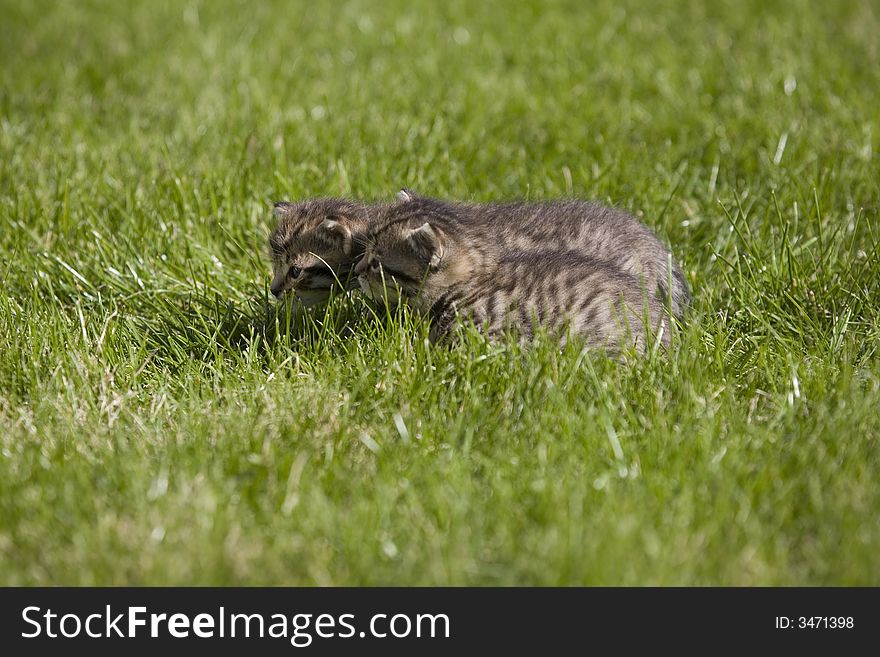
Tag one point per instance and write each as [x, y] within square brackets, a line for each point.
[294, 272]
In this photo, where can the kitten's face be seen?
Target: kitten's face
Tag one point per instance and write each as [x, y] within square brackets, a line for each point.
[404, 260]
[314, 248]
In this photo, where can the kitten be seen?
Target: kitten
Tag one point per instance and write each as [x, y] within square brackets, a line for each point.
[315, 245]
[591, 229]
[417, 252]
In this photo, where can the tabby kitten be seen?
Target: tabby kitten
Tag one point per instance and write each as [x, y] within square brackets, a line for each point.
[417, 252]
[591, 229]
[315, 246]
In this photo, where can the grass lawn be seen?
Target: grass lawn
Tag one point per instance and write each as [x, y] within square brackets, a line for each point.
[162, 421]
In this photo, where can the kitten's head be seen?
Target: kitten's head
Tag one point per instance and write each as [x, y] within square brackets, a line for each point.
[314, 247]
[413, 252]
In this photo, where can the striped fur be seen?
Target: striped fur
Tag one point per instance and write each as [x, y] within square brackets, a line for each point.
[591, 229]
[423, 251]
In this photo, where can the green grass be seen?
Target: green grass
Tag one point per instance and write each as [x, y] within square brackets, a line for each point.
[162, 422]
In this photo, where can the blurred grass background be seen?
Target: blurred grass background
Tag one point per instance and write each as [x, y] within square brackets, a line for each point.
[161, 422]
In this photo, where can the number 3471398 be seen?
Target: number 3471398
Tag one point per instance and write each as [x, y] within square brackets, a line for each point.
[814, 622]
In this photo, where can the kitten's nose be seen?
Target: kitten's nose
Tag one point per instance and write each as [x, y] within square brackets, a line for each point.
[277, 286]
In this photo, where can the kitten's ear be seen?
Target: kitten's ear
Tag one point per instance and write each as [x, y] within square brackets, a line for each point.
[427, 242]
[405, 195]
[338, 232]
[280, 209]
